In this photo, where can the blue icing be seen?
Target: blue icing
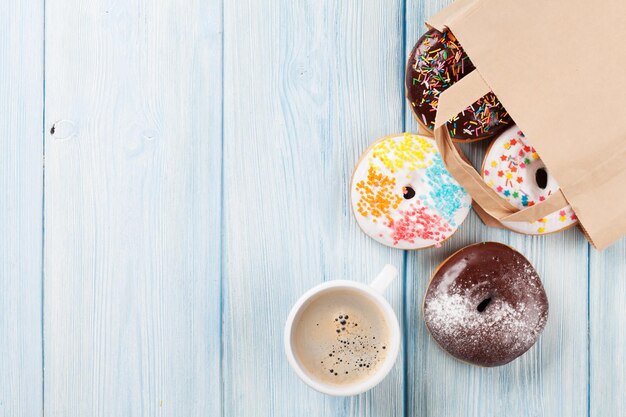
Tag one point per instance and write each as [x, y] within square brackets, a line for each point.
[446, 194]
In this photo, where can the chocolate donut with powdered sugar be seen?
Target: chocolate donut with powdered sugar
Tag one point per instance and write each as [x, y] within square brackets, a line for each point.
[485, 304]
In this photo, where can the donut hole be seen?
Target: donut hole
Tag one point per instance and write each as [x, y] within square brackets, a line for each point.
[408, 192]
[483, 304]
[541, 177]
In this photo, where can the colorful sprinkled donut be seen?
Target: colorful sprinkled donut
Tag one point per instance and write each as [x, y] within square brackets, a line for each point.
[403, 196]
[436, 62]
[515, 171]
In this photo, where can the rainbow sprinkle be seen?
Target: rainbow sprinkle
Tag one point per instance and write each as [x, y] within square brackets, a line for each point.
[436, 62]
[404, 196]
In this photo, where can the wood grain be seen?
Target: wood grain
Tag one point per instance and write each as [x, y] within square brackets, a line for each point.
[132, 211]
[198, 159]
[308, 85]
[551, 378]
[607, 328]
[21, 193]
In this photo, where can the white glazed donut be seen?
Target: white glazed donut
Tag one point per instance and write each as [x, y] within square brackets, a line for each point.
[514, 170]
[403, 196]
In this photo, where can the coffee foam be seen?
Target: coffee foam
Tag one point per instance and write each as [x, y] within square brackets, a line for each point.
[341, 337]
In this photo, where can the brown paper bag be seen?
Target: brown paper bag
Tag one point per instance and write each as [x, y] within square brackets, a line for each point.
[558, 68]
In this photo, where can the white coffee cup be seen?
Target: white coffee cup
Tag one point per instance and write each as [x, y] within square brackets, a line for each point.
[373, 292]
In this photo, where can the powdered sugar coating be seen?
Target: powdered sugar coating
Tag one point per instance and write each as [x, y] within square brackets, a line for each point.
[404, 197]
[512, 318]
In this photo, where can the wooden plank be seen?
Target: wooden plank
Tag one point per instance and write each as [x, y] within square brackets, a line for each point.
[607, 330]
[132, 213]
[21, 185]
[308, 85]
[550, 379]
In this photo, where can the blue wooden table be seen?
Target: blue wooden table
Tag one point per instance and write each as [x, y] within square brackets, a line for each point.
[174, 174]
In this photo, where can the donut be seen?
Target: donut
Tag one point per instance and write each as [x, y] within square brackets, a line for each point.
[403, 196]
[436, 62]
[485, 304]
[514, 170]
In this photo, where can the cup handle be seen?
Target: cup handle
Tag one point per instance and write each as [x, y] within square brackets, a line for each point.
[384, 278]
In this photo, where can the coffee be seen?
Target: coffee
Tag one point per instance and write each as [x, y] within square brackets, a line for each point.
[341, 337]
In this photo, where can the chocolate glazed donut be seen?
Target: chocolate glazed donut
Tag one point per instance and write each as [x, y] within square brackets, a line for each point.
[436, 62]
[485, 304]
